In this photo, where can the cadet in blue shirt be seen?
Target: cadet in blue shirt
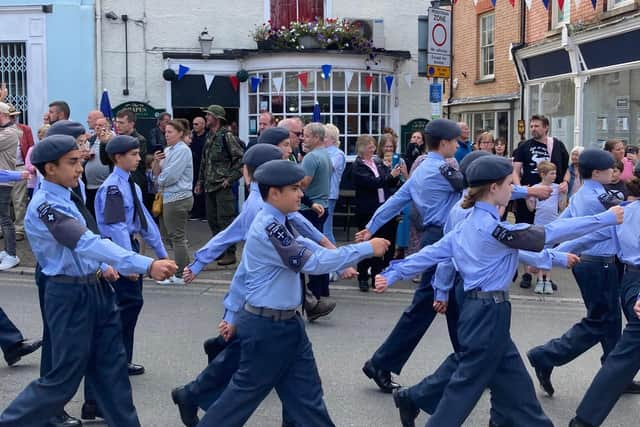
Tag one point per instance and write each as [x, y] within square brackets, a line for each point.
[622, 363]
[276, 352]
[488, 356]
[597, 278]
[80, 309]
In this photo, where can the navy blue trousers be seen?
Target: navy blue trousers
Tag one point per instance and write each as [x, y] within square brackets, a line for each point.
[318, 283]
[130, 301]
[85, 336]
[272, 355]
[488, 358]
[415, 320]
[621, 365]
[9, 334]
[599, 286]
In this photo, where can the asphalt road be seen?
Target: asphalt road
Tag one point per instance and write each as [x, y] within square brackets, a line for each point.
[175, 321]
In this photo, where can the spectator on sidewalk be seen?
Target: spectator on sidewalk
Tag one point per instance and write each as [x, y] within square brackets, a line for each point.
[629, 161]
[157, 140]
[198, 139]
[464, 143]
[296, 135]
[9, 144]
[95, 171]
[58, 110]
[338, 162]
[415, 148]
[19, 196]
[575, 180]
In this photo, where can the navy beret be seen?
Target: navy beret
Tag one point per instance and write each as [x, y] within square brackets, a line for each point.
[443, 129]
[595, 159]
[488, 169]
[261, 153]
[466, 161]
[273, 136]
[120, 144]
[66, 127]
[52, 148]
[278, 173]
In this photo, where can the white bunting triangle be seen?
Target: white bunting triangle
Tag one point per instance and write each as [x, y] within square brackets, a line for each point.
[277, 84]
[528, 2]
[577, 2]
[208, 79]
[408, 79]
[475, 2]
[348, 76]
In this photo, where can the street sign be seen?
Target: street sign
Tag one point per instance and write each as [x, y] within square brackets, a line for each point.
[435, 93]
[439, 45]
[438, 71]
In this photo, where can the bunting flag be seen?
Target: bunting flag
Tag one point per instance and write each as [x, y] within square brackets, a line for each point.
[512, 3]
[326, 71]
[529, 3]
[408, 79]
[594, 3]
[182, 70]
[475, 2]
[546, 4]
[316, 113]
[304, 78]
[105, 105]
[493, 2]
[368, 81]
[234, 82]
[577, 2]
[255, 82]
[560, 4]
[208, 79]
[389, 80]
[277, 84]
[348, 76]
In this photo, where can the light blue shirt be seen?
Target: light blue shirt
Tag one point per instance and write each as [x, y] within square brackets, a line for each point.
[484, 262]
[238, 229]
[429, 190]
[53, 202]
[120, 232]
[271, 281]
[176, 177]
[586, 202]
[339, 162]
[9, 176]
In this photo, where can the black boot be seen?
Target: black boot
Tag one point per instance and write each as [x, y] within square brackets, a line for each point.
[90, 411]
[188, 410]
[408, 410]
[380, 377]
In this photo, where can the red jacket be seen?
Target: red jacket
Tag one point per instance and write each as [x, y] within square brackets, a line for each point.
[26, 140]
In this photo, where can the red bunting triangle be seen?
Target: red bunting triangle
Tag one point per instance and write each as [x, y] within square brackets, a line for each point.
[368, 80]
[561, 4]
[512, 3]
[234, 82]
[304, 78]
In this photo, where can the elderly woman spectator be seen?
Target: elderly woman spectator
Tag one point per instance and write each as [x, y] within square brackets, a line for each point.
[173, 168]
[373, 182]
[415, 148]
[575, 181]
[485, 142]
[339, 161]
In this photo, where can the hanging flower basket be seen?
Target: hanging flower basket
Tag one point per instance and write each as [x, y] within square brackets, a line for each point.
[309, 42]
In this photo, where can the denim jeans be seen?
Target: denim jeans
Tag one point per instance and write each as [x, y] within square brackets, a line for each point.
[327, 228]
[8, 229]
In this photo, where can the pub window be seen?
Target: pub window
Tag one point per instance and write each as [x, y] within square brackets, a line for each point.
[285, 11]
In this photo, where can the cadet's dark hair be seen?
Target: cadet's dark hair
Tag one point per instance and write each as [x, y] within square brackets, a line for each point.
[130, 115]
[264, 190]
[478, 192]
[62, 107]
[41, 169]
[584, 172]
[433, 142]
[618, 165]
[250, 170]
[633, 185]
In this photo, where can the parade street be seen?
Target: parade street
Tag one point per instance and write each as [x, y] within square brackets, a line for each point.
[175, 321]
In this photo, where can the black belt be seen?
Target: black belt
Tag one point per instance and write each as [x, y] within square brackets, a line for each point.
[632, 268]
[593, 258]
[270, 313]
[495, 296]
[89, 279]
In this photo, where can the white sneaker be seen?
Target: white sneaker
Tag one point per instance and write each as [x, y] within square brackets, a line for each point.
[548, 288]
[9, 262]
[3, 254]
[539, 289]
[173, 280]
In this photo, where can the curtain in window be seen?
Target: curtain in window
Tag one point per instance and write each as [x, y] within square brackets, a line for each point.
[285, 11]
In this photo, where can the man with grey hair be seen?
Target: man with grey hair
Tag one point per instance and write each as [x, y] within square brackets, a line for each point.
[316, 185]
[464, 144]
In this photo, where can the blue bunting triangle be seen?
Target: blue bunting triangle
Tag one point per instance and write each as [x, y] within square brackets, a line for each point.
[493, 2]
[255, 82]
[326, 71]
[182, 70]
[389, 80]
[594, 3]
[546, 4]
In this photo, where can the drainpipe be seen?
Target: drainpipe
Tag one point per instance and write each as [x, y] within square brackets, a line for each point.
[515, 49]
[98, 23]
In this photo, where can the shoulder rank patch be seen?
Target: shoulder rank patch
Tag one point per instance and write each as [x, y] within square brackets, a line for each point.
[293, 255]
[114, 206]
[66, 230]
[611, 198]
[453, 176]
[529, 239]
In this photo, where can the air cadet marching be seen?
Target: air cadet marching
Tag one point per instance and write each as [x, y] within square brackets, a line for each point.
[80, 308]
[275, 350]
[121, 216]
[597, 278]
[489, 357]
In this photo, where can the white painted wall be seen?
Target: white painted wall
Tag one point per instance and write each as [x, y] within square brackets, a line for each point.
[175, 27]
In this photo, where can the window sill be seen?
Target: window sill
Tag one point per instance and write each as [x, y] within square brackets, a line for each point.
[620, 10]
[554, 32]
[485, 80]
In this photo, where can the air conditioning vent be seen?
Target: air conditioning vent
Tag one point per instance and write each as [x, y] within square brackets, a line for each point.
[372, 29]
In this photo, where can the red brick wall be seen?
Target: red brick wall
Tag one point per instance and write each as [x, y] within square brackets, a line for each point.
[539, 19]
[466, 47]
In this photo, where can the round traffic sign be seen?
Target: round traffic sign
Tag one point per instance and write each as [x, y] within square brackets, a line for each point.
[439, 35]
[431, 71]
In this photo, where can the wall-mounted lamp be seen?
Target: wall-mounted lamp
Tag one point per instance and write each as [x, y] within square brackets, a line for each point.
[206, 40]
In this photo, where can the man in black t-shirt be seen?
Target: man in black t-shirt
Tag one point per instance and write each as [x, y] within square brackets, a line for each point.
[525, 167]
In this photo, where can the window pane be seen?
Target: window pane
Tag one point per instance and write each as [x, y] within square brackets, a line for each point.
[311, 82]
[352, 125]
[323, 85]
[352, 103]
[375, 104]
[265, 83]
[364, 104]
[353, 85]
[339, 122]
[338, 102]
[277, 104]
[351, 145]
[338, 80]
[307, 104]
[264, 103]
[375, 125]
[325, 103]
[253, 104]
[292, 105]
[503, 126]
[291, 84]
[365, 124]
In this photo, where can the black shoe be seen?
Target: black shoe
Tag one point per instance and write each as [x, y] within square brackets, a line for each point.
[364, 285]
[408, 410]
[380, 377]
[288, 424]
[525, 283]
[90, 411]
[214, 346]
[633, 388]
[64, 420]
[576, 422]
[543, 375]
[553, 285]
[321, 309]
[188, 410]
[21, 349]
[135, 369]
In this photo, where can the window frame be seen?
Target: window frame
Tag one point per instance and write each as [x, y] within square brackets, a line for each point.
[327, 7]
[555, 14]
[611, 4]
[485, 48]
